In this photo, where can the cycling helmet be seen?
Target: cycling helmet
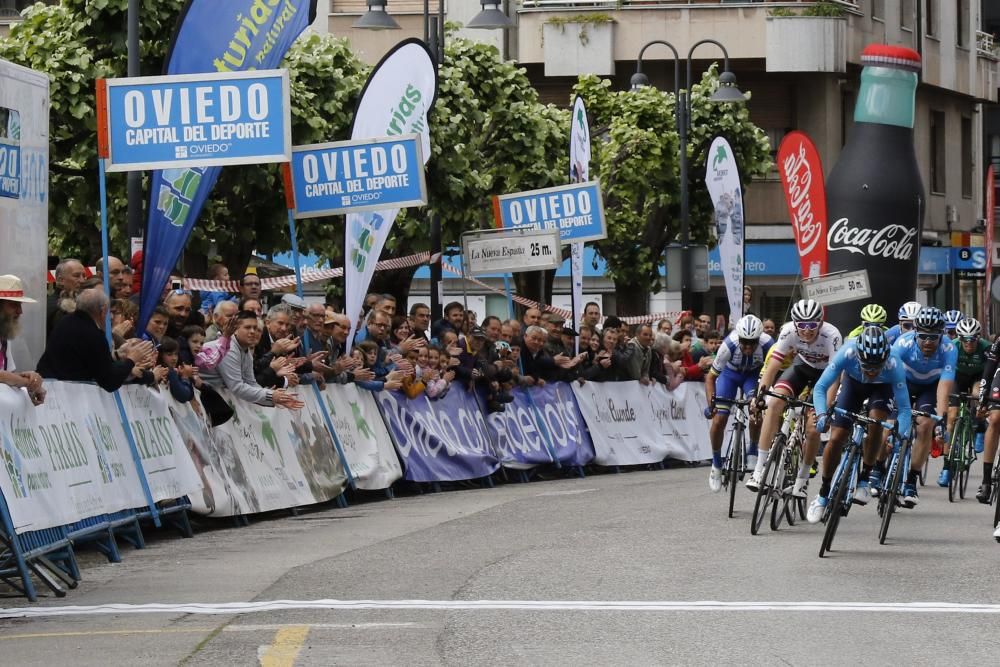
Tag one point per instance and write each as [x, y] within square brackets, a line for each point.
[749, 328]
[502, 346]
[908, 311]
[952, 318]
[807, 310]
[929, 320]
[969, 327]
[872, 346]
[873, 314]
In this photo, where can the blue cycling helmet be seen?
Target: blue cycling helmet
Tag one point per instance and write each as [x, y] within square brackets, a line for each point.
[908, 311]
[952, 318]
[872, 346]
[929, 320]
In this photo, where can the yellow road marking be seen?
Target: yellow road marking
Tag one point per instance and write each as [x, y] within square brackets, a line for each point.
[285, 647]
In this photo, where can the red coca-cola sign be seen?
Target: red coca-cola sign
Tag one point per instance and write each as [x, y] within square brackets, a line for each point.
[802, 176]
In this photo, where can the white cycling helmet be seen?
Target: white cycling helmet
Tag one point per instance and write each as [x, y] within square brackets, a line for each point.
[807, 310]
[969, 327]
[749, 328]
[909, 310]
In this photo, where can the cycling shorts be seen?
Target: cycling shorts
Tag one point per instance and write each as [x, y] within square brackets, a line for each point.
[967, 383]
[853, 395]
[923, 397]
[729, 382]
[798, 378]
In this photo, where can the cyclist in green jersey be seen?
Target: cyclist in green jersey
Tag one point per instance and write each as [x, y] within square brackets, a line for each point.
[972, 351]
[870, 314]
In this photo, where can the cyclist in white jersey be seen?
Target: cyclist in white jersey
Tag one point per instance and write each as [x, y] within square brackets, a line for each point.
[813, 343]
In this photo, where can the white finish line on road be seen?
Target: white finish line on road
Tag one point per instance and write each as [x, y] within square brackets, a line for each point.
[500, 605]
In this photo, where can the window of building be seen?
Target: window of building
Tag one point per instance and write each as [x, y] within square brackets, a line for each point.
[931, 18]
[968, 156]
[937, 157]
[962, 23]
[906, 14]
[878, 9]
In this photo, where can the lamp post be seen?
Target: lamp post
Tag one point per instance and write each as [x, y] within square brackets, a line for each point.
[133, 182]
[727, 93]
[489, 18]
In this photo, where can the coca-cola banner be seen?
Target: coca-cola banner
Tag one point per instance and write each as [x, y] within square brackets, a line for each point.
[723, 181]
[874, 194]
[802, 176]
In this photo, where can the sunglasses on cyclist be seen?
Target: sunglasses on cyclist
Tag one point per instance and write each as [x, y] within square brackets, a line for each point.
[749, 342]
[929, 337]
[906, 326]
[871, 369]
[969, 339]
[807, 326]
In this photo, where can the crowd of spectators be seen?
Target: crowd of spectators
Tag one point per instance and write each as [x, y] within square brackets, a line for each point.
[261, 347]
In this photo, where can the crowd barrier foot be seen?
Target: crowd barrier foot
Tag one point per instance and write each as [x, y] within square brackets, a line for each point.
[294, 511]
[179, 521]
[342, 501]
[615, 469]
[435, 487]
[241, 520]
[522, 476]
[579, 471]
[390, 494]
[487, 482]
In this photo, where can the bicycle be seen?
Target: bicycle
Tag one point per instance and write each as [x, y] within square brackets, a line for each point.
[845, 480]
[782, 469]
[962, 454]
[895, 477]
[734, 468]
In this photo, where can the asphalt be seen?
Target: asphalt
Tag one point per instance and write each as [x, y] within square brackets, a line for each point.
[582, 544]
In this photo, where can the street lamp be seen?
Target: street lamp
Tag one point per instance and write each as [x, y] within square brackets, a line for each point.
[727, 93]
[489, 18]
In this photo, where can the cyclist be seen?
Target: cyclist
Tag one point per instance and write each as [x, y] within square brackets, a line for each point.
[736, 365]
[907, 313]
[873, 371]
[870, 314]
[930, 361]
[989, 400]
[972, 349]
[813, 343]
[951, 320]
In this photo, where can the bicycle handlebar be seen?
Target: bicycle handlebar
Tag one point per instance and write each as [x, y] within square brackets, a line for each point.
[865, 419]
[794, 402]
[921, 413]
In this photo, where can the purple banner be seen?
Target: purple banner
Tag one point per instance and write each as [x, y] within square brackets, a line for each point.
[441, 440]
[523, 434]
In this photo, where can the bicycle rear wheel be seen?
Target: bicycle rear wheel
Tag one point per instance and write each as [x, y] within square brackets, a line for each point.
[836, 505]
[734, 464]
[766, 494]
[970, 457]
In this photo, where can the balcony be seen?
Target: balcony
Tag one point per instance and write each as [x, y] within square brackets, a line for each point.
[548, 31]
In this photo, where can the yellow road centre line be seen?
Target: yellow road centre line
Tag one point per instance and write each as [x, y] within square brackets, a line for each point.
[285, 648]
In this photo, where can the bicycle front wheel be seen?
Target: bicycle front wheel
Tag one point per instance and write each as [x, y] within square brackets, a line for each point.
[837, 503]
[890, 495]
[734, 465]
[766, 494]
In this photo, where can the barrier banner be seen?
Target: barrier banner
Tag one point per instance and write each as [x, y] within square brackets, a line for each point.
[632, 424]
[444, 440]
[363, 436]
[521, 440]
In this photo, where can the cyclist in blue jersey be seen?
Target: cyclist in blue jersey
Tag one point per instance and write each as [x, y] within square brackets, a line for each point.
[873, 371]
[951, 320]
[737, 366]
[930, 360]
[907, 313]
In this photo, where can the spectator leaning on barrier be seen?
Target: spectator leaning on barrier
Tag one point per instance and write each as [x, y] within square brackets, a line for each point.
[77, 350]
[180, 380]
[236, 373]
[156, 326]
[538, 366]
[343, 368]
[278, 341]
[637, 356]
[12, 298]
[708, 346]
[70, 274]
[314, 324]
[124, 315]
[296, 312]
[692, 370]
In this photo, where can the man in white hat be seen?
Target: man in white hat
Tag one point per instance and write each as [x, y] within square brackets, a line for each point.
[11, 298]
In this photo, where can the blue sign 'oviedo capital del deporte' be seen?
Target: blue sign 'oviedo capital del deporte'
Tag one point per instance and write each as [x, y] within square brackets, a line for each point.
[577, 211]
[198, 119]
[355, 176]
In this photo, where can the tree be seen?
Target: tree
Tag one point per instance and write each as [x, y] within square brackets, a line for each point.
[79, 41]
[635, 156]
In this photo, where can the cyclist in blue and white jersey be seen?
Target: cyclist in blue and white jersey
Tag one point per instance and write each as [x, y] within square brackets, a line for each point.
[951, 320]
[869, 370]
[930, 360]
[737, 366]
[907, 313]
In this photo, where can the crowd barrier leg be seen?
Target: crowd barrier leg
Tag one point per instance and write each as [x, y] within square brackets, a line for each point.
[10, 574]
[390, 494]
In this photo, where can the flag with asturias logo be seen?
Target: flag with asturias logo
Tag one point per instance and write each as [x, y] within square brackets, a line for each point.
[211, 36]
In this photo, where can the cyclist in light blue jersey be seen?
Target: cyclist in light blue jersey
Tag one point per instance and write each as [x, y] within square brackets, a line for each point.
[736, 367]
[907, 313]
[930, 360]
[951, 320]
[870, 370]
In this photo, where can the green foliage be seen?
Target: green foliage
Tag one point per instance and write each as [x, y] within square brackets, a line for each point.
[825, 8]
[636, 157]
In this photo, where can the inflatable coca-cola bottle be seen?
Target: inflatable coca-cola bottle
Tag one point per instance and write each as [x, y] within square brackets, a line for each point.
[875, 197]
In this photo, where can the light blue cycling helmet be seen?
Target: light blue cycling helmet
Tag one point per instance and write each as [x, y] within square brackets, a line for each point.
[952, 318]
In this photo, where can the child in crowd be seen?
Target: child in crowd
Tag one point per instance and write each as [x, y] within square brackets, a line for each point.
[413, 383]
[431, 373]
[181, 380]
[195, 336]
[366, 352]
[156, 327]
[209, 299]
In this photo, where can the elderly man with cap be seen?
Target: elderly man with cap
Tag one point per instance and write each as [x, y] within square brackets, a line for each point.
[11, 298]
